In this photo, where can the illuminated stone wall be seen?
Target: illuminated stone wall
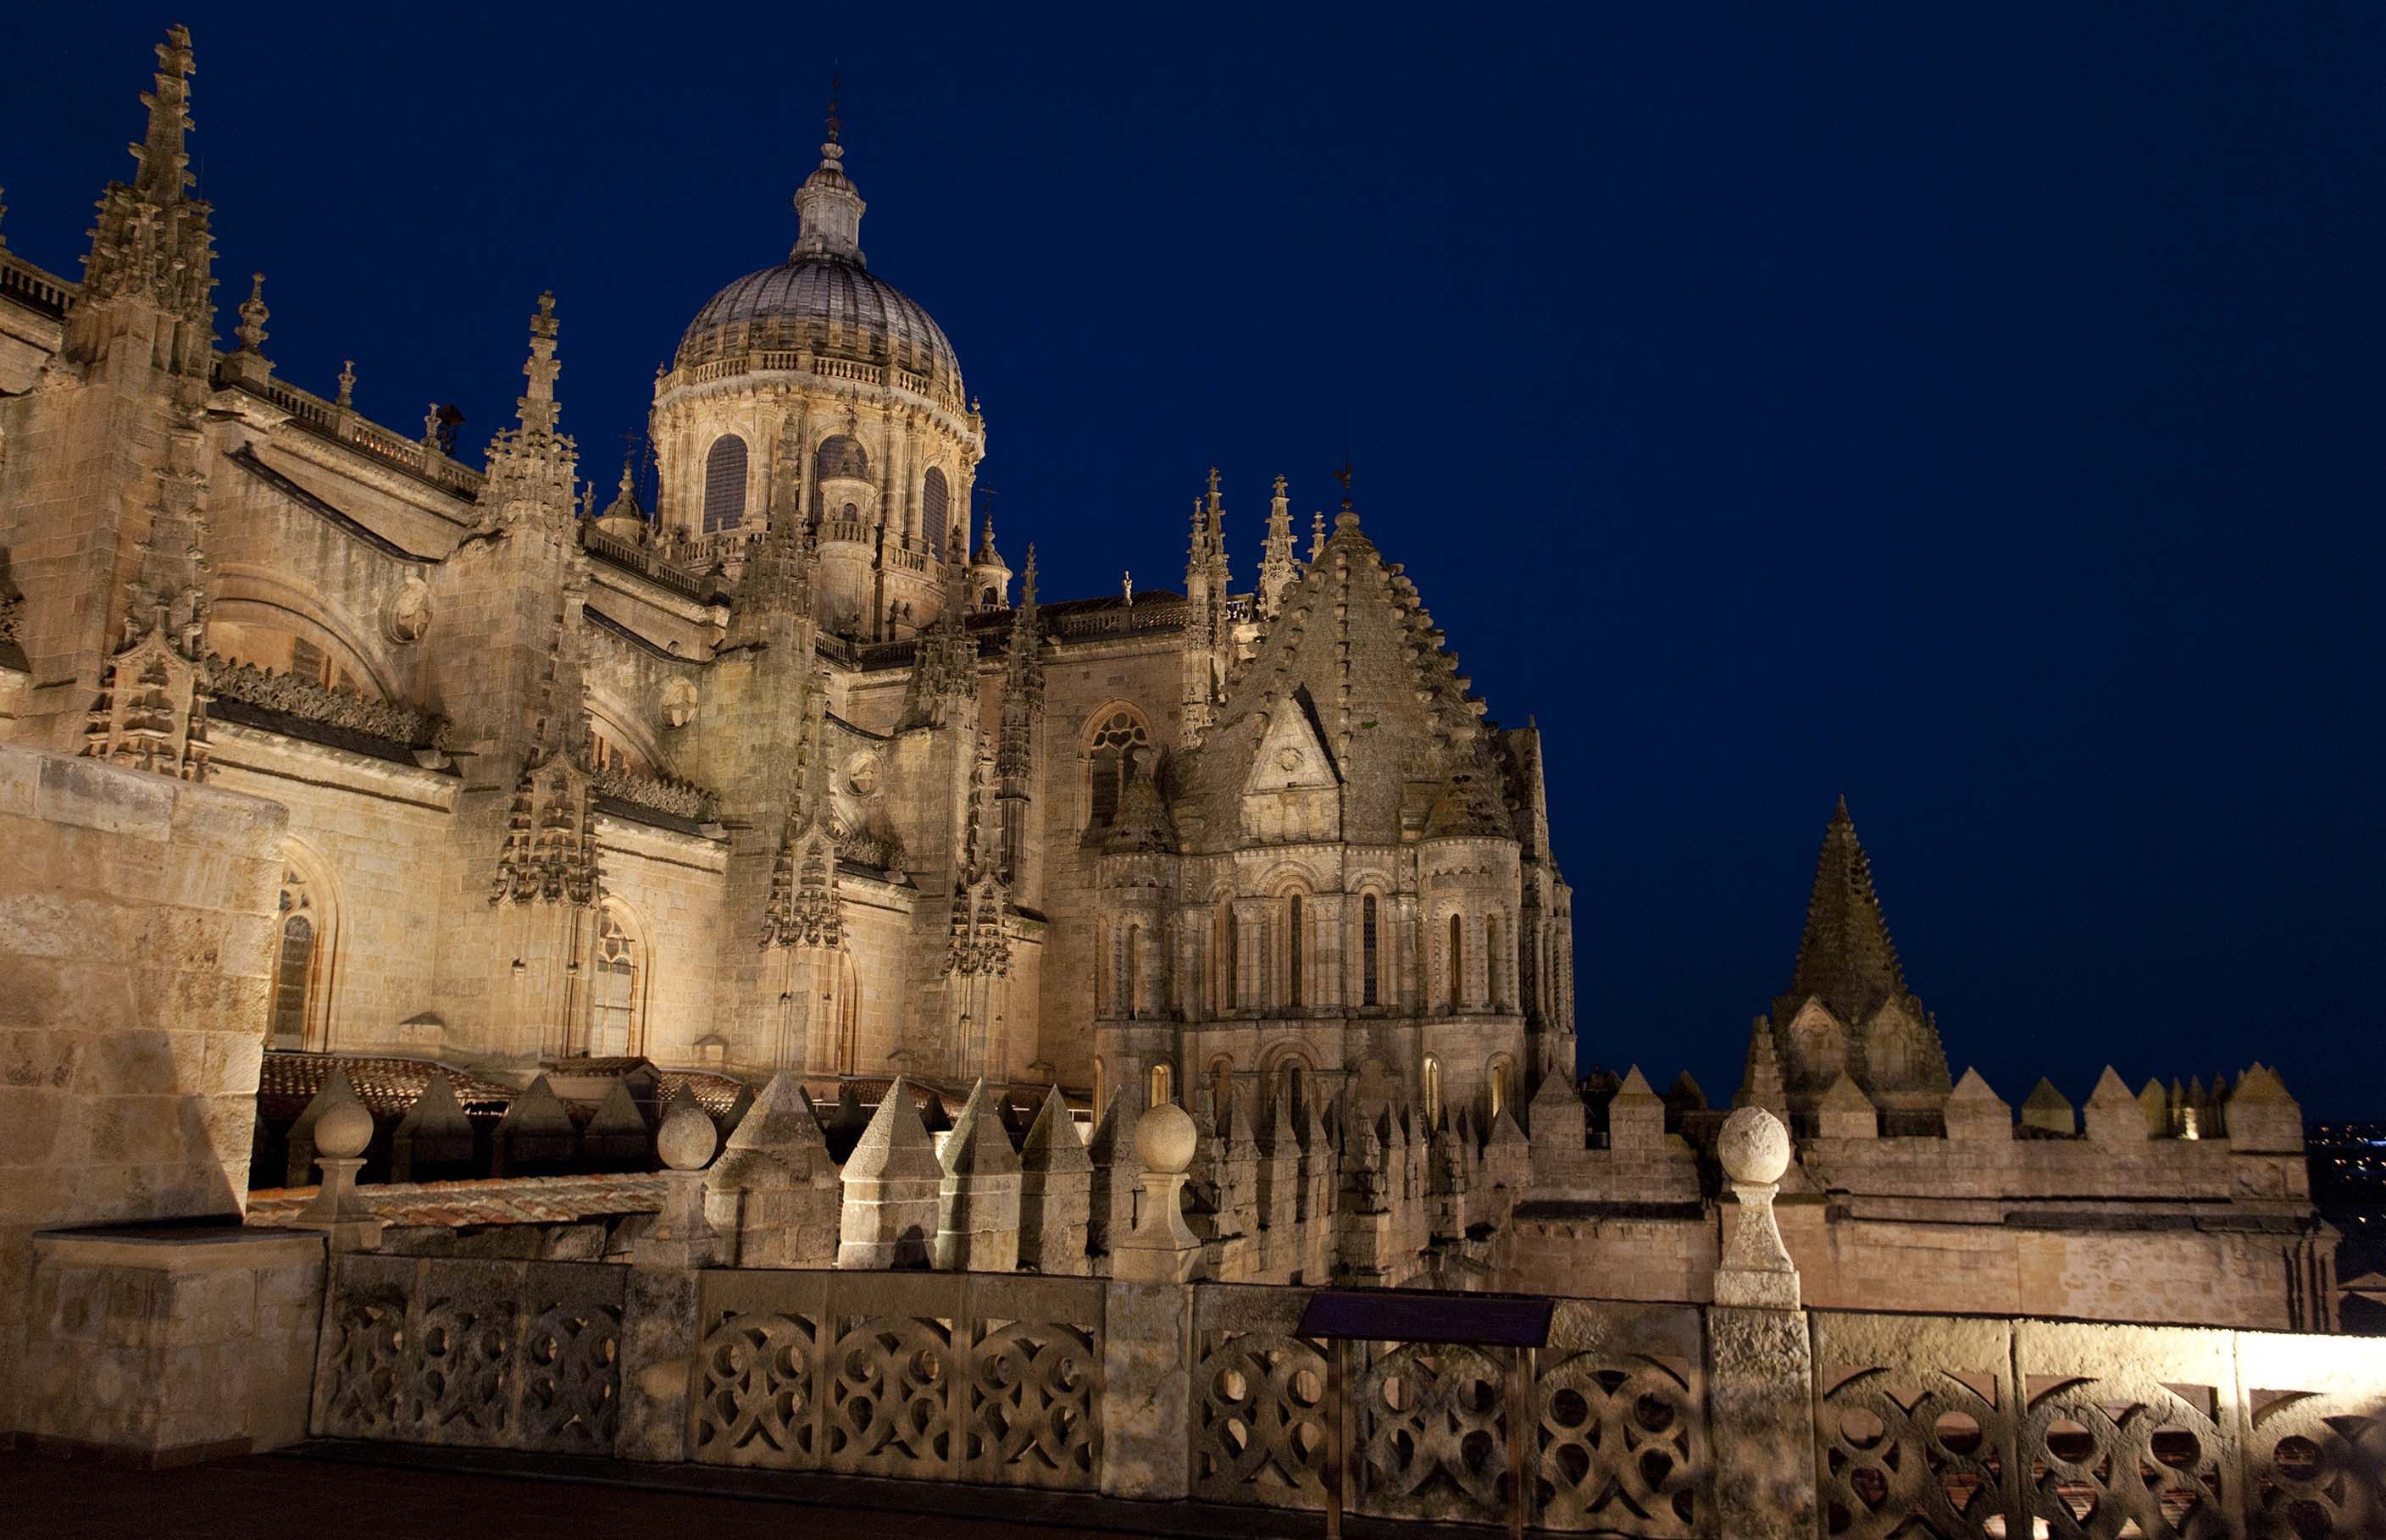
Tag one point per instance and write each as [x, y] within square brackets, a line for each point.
[136, 914]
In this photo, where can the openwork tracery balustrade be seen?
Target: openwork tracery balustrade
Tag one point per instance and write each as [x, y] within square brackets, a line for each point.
[938, 1376]
[1618, 1399]
[446, 1350]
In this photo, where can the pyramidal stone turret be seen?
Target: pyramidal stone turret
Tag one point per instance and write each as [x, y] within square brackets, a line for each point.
[1056, 1181]
[774, 1187]
[892, 1183]
[1847, 1009]
[977, 1229]
[433, 1141]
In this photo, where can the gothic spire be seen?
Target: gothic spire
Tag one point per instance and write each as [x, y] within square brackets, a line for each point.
[164, 163]
[530, 465]
[538, 408]
[152, 241]
[1845, 955]
[1278, 567]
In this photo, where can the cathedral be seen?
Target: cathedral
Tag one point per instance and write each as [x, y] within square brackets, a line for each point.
[793, 769]
[792, 788]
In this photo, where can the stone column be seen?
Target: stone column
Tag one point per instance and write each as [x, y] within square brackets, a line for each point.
[1148, 1324]
[1760, 1365]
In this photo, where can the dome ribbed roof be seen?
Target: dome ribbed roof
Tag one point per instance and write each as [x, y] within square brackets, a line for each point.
[829, 305]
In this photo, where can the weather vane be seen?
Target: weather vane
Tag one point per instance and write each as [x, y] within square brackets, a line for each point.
[836, 88]
[1343, 476]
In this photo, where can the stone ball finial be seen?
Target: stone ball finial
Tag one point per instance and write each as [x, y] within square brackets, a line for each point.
[687, 1138]
[1753, 1145]
[1164, 1139]
[343, 1130]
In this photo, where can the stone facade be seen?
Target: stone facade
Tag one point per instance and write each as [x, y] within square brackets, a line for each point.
[792, 771]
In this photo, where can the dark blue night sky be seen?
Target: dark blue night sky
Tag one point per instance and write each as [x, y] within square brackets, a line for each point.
[1974, 411]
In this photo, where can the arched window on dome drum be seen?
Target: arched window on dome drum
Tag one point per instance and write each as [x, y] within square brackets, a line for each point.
[724, 484]
[1164, 1084]
[1431, 1078]
[935, 506]
[842, 456]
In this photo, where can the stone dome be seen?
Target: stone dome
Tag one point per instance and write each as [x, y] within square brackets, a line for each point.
[828, 304]
[824, 298]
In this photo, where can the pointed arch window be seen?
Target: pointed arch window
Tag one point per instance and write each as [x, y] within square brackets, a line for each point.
[1367, 967]
[848, 1015]
[1126, 970]
[724, 484]
[1432, 1086]
[613, 992]
[1113, 744]
[294, 975]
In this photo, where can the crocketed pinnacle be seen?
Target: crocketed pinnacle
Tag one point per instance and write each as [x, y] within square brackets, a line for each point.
[165, 162]
[1845, 955]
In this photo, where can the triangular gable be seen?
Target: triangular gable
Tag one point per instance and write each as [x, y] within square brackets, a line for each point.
[1292, 755]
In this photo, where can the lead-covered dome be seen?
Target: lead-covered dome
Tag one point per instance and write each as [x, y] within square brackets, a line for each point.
[827, 306]
[823, 299]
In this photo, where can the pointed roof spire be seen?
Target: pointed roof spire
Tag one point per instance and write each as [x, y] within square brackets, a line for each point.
[1845, 955]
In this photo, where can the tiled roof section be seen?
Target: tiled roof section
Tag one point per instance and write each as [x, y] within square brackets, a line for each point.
[288, 1082]
[496, 1200]
[715, 1093]
[827, 306]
